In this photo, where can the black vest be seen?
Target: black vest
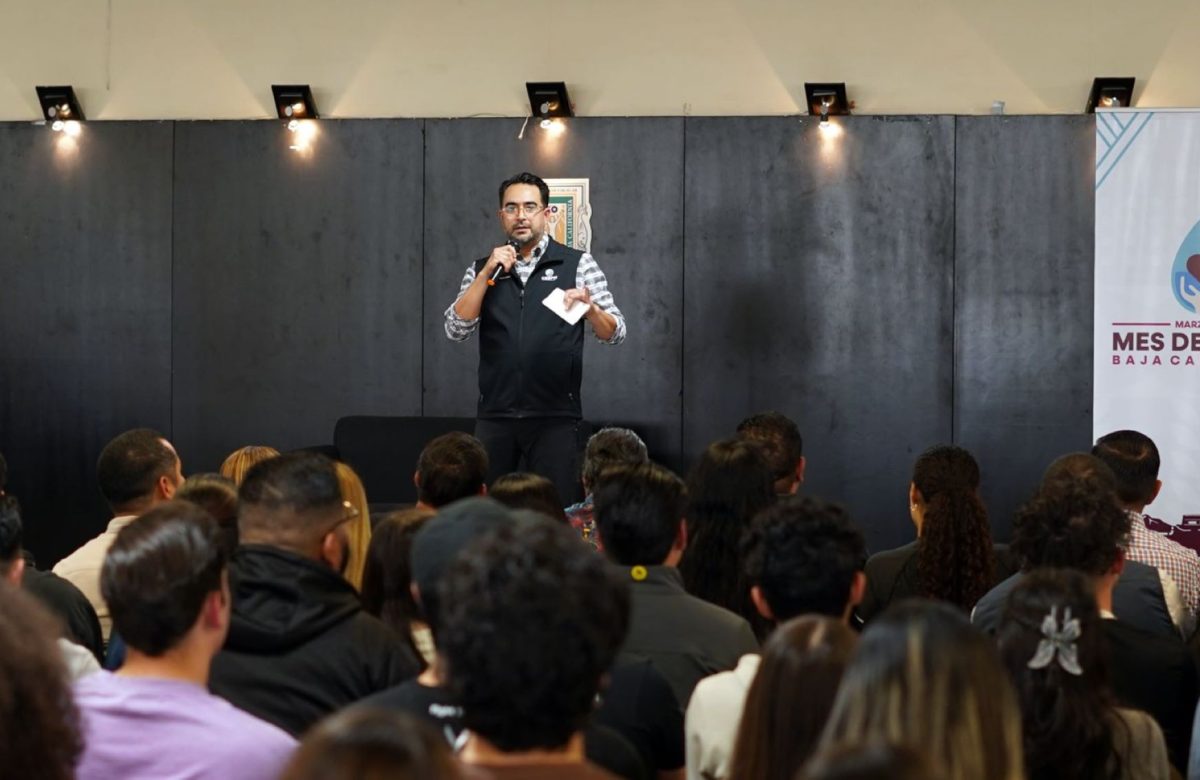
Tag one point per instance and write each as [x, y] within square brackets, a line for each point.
[530, 360]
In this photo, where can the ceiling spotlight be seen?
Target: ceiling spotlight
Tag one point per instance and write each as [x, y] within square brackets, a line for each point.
[549, 102]
[1110, 92]
[826, 100]
[72, 128]
[60, 108]
[294, 101]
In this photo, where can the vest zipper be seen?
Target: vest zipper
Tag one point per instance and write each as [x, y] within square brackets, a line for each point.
[520, 344]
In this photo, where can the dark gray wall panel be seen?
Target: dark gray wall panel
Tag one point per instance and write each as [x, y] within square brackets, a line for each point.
[818, 283]
[1023, 302]
[297, 282]
[636, 171]
[85, 259]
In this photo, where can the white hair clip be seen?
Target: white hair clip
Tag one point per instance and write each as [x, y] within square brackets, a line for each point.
[1058, 642]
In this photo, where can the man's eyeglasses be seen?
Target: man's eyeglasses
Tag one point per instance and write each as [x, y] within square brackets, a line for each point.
[529, 209]
[349, 512]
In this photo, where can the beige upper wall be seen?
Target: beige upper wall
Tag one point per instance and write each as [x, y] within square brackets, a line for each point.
[167, 59]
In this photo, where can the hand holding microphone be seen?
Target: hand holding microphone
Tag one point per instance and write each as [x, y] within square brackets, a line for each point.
[504, 260]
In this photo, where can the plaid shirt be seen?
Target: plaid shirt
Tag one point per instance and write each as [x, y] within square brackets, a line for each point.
[1171, 558]
[588, 276]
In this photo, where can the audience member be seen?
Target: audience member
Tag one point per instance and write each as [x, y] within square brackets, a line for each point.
[65, 601]
[137, 470]
[952, 559]
[639, 513]
[164, 578]
[436, 546]
[364, 744]
[1052, 642]
[387, 591]
[523, 490]
[79, 660]
[729, 486]
[241, 460]
[606, 448]
[358, 530]
[216, 495]
[923, 676]
[801, 556]
[1070, 525]
[531, 621]
[39, 725]
[1141, 593]
[300, 645]
[790, 699]
[451, 467]
[1133, 458]
[869, 761]
[782, 445]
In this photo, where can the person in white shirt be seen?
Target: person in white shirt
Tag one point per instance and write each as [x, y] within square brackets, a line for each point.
[803, 556]
[137, 471]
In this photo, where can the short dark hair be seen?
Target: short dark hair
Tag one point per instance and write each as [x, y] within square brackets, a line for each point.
[284, 498]
[780, 439]
[1133, 457]
[531, 620]
[130, 465]
[610, 447]
[218, 496]
[638, 510]
[526, 178]
[362, 742]
[10, 532]
[803, 553]
[452, 466]
[1070, 525]
[523, 490]
[158, 572]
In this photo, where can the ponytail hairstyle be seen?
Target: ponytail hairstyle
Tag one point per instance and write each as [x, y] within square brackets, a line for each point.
[955, 559]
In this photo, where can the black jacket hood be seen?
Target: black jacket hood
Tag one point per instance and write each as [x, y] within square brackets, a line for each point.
[282, 599]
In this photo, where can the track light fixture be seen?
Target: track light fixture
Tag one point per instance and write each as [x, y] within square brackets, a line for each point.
[550, 104]
[826, 100]
[295, 106]
[61, 109]
[1110, 92]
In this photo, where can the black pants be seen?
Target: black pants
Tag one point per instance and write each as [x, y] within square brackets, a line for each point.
[543, 445]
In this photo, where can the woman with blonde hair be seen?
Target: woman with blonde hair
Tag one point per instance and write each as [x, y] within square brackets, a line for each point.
[241, 460]
[359, 529]
[923, 676]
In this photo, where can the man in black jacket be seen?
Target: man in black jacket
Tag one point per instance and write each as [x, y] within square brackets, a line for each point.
[530, 359]
[299, 644]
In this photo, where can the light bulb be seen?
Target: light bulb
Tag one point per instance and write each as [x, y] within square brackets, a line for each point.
[72, 128]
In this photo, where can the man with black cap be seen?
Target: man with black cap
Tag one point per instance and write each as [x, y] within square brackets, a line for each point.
[436, 547]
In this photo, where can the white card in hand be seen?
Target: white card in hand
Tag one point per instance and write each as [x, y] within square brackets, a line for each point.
[554, 302]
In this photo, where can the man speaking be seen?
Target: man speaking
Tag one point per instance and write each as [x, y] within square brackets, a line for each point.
[530, 357]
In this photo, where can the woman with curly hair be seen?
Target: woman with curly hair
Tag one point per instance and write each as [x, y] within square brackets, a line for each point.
[39, 725]
[726, 489]
[1053, 644]
[953, 558]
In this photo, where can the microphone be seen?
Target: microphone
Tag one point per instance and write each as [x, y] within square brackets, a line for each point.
[516, 245]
